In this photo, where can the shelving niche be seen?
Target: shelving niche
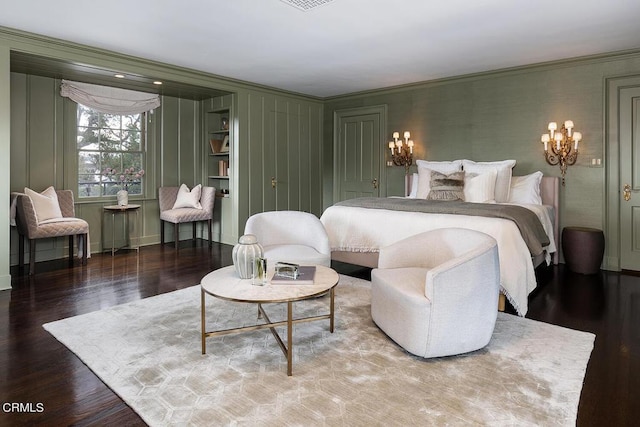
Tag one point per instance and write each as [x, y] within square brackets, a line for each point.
[218, 146]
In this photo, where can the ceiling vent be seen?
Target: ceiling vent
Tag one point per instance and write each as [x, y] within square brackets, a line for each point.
[306, 5]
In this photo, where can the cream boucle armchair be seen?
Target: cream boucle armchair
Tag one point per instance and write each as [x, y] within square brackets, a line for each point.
[291, 236]
[436, 293]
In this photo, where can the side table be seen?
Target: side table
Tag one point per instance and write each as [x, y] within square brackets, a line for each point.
[125, 212]
[583, 249]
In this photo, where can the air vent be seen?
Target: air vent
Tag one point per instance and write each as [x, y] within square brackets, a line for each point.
[306, 5]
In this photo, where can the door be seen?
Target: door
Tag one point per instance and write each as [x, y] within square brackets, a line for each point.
[358, 152]
[629, 121]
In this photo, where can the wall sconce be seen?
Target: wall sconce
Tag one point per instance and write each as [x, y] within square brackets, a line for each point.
[402, 152]
[561, 147]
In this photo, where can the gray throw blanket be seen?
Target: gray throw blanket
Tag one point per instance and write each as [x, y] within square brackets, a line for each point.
[527, 221]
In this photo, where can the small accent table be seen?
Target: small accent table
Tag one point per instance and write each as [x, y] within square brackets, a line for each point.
[583, 249]
[125, 210]
[225, 284]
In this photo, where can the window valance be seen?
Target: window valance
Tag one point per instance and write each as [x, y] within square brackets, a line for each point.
[109, 99]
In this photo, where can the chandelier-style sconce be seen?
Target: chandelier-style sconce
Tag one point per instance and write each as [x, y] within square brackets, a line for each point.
[561, 147]
[402, 152]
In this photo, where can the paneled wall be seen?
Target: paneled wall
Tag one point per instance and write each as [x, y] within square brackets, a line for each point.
[281, 138]
[501, 115]
[43, 154]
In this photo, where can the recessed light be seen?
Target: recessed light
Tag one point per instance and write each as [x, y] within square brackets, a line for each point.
[157, 82]
[119, 76]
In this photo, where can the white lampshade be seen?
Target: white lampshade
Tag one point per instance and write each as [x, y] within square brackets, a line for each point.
[396, 135]
[407, 134]
[553, 126]
[568, 124]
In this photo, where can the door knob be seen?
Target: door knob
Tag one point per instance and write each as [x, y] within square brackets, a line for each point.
[375, 183]
[626, 192]
[273, 182]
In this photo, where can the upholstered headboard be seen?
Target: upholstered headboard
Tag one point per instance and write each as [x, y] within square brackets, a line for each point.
[550, 193]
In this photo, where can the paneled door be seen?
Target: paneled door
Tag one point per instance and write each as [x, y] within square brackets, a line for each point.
[358, 151]
[629, 122]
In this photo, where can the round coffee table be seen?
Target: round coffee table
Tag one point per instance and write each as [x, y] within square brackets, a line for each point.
[225, 284]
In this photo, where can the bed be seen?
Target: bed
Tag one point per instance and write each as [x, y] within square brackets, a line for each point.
[357, 233]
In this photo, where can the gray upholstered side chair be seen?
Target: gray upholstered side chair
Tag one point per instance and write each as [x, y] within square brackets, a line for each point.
[167, 198]
[29, 227]
[436, 293]
[291, 236]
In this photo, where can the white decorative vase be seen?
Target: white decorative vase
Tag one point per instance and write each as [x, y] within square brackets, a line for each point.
[244, 255]
[123, 197]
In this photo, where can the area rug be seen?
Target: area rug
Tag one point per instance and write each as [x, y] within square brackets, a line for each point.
[149, 353]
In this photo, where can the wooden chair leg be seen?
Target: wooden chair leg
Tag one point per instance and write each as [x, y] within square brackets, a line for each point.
[21, 250]
[193, 231]
[161, 232]
[176, 232]
[32, 257]
[71, 237]
[85, 248]
[210, 238]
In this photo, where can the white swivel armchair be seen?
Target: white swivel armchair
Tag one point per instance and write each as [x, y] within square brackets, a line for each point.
[291, 236]
[436, 294]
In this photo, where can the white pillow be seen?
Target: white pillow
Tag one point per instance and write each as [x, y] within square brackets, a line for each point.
[414, 186]
[45, 204]
[503, 177]
[526, 189]
[188, 199]
[480, 188]
[424, 174]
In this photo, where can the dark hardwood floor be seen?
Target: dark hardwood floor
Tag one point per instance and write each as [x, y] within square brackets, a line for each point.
[35, 369]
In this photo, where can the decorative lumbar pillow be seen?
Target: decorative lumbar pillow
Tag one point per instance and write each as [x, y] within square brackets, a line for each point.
[526, 189]
[480, 188]
[447, 187]
[188, 199]
[424, 173]
[503, 177]
[45, 204]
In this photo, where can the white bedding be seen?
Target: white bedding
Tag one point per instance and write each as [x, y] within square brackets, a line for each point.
[367, 230]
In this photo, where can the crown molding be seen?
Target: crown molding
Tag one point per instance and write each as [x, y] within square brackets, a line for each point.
[523, 69]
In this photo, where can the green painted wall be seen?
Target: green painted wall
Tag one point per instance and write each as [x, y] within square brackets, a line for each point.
[43, 153]
[266, 121]
[501, 115]
[5, 162]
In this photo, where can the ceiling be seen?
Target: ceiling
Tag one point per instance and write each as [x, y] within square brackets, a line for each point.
[340, 46]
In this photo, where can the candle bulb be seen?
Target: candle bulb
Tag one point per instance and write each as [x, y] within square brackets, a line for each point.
[546, 148]
[410, 144]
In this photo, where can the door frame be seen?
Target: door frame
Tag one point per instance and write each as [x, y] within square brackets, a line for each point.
[338, 115]
[613, 86]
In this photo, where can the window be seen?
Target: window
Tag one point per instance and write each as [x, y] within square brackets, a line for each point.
[109, 142]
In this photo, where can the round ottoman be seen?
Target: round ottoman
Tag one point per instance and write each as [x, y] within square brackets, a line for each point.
[583, 249]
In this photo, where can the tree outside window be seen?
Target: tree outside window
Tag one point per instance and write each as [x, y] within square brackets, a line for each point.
[108, 142]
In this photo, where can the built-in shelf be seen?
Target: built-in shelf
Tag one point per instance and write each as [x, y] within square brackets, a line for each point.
[218, 177]
[225, 154]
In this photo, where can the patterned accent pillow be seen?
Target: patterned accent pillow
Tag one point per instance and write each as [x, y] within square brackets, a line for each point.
[447, 187]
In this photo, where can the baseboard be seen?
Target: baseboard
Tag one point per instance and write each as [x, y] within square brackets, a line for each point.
[5, 282]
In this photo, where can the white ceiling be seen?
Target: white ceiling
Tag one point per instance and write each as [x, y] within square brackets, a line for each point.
[343, 46]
